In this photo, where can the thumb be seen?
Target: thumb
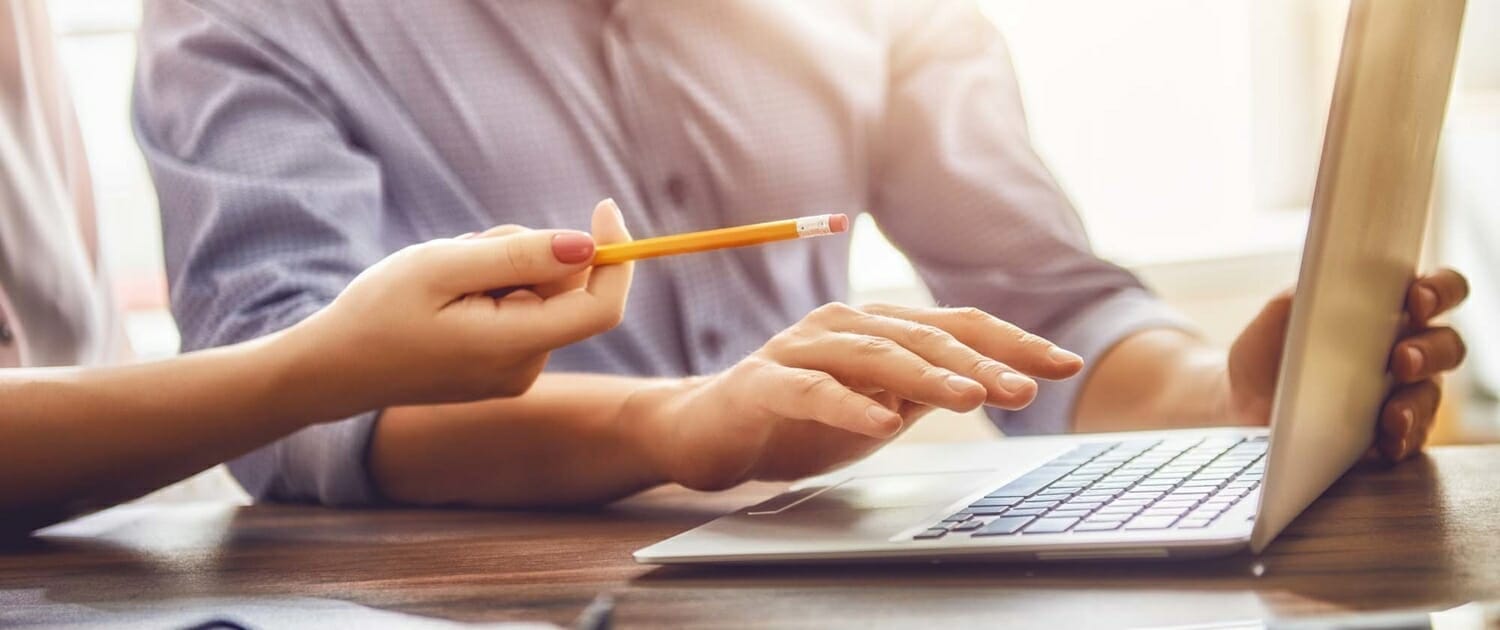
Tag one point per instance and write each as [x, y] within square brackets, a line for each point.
[1255, 357]
[476, 265]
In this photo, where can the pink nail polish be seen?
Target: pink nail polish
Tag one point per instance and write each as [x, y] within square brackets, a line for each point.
[572, 247]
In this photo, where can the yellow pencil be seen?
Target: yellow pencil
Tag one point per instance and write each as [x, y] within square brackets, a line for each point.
[723, 238]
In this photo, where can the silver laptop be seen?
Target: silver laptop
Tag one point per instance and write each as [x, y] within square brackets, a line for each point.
[1174, 494]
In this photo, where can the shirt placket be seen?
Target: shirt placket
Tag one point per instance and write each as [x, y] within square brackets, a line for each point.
[674, 187]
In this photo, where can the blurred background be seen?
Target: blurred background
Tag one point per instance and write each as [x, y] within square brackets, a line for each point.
[1187, 133]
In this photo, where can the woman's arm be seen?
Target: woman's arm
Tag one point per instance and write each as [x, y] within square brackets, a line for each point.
[75, 439]
[418, 327]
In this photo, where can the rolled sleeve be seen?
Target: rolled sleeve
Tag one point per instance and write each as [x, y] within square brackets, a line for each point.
[963, 193]
[267, 210]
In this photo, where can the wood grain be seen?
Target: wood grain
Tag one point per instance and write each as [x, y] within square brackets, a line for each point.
[1423, 534]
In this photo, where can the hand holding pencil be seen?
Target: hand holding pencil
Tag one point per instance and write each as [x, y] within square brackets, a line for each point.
[723, 238]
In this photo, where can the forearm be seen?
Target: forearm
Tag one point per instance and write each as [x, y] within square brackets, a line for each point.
[566, 441]
[74, 439]
[1155, 379]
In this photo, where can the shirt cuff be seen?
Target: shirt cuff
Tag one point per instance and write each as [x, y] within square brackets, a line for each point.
[323, 463]
[1090, 334]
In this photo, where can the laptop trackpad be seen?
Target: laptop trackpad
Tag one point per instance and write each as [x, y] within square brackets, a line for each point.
[894, 491]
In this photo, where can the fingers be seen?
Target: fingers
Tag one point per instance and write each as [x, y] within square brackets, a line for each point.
[1406, 420]
[1425, 354]
[600, 305]
[499, 230]
[788, 392]
[992, 337]
[1255, 355]
[880, 364]
[940, 356]
[456, 267]
[1436, 293]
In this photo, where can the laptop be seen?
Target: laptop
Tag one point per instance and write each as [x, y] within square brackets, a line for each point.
[1181, 493]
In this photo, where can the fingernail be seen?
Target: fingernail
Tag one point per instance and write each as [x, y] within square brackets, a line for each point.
[1401, 449]
[960, 384]
[1414, 359]
[1013, 382]
[616, 208]
[1058, 355]
[1426, 301]
[572, 247]
[1409, 419]
[465, 235]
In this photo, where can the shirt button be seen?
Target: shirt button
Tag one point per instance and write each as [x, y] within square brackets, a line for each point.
[712, 341]
[6, 336]
[677, 189]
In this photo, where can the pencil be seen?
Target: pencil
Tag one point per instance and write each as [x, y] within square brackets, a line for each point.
[723, 238]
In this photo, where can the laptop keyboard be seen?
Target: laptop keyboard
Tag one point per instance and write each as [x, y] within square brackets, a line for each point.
[1109, 486]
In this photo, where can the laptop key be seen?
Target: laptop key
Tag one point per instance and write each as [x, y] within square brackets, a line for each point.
[986, 511]
[1145, 496]
[1045, 505]
[1002, 502]
[1025, 512]
[1066, 513]
[936, 532]
[1082, 505]
[1151, 522]
[968, 526]
[1193, 523]
[1051, 525]
[1004, 526]
[1029, 483]
[1098, 526]
[1094, 494]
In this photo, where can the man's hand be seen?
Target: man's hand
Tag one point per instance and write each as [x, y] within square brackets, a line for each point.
[834, 387]
[1417, 361]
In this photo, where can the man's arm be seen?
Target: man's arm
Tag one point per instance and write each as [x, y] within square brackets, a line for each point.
[961, 191]
[965, 196]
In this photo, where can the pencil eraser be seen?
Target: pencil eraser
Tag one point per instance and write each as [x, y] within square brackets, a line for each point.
[838, 223]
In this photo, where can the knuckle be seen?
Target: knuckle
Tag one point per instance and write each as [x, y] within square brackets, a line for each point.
[808, 384]
[873, 346]
[926, 334]
[518, 257]
[832, 310]
[1430, 392]
[849, 400]
[990, 370]
[971, 315]
[1460, 348]
[1031, 340]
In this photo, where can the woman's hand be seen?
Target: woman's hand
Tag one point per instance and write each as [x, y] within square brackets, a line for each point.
[834, 387]
[467, 318]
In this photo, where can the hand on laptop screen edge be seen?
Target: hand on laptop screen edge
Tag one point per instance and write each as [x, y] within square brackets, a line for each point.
[1425, 349]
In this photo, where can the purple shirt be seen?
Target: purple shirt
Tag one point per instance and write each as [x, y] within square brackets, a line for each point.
[295, 143]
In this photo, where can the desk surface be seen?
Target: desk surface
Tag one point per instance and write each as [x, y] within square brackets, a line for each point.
[1423, 534]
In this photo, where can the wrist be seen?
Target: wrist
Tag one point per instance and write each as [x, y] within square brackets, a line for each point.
[650, 418]
[314, 381]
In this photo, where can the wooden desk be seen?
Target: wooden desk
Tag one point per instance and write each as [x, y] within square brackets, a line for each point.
[1424, 534]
